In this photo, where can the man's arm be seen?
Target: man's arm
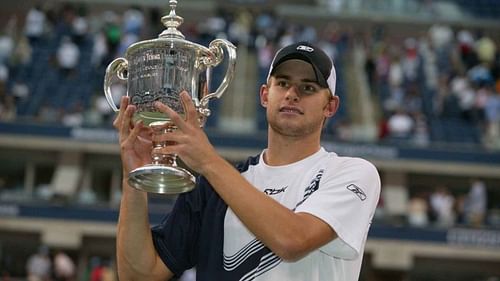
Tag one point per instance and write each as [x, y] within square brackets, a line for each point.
[289, 235]
[137, 258]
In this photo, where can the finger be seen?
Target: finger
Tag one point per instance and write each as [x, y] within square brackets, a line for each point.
[174, 136]
[145, 135]
[189, 108]
[123, 106]
[125, 122]
[168, 149]
[131, 138]
[135, 132]
[174, 116]
[144, 140]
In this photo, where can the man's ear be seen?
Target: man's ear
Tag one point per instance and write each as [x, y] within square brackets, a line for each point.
[264, 92]
[332, 106]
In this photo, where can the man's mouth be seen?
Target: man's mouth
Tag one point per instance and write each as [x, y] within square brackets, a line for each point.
[291, 109]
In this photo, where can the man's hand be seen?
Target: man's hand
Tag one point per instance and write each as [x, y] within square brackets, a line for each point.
[135, 139]
[189, 141]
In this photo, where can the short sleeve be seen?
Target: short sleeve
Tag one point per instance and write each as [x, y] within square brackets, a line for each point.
[346, 200]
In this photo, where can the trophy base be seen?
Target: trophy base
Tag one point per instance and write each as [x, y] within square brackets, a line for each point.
[162, 179]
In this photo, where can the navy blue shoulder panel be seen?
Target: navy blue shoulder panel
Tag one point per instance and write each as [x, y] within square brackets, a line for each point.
[251, 161]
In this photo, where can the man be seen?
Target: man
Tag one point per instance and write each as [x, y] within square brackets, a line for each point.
[294, 212]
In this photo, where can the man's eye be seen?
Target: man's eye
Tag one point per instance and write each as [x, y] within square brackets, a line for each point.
[282, 83]
[309, 89]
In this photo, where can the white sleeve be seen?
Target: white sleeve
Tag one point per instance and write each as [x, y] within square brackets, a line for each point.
[346, 200]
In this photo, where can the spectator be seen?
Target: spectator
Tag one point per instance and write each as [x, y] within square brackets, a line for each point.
[103, 108]
[342, 130]
[382, 68]
[441, 37]
[442, 203]
[370, 71]
[461, 88]
[480, 74]
[133, 21]
[8, 109]
[411, 61]
[22, 52]
[6, 48]
[64, 267]
[476, 203]
[113, 33]
[4, 74]
[108, 274]
[466, 49]
[101, 270]
[417, 211]
[99, 50]
[86, 196]
[421, 131]
[492, 118]
[400, 125]
[74, 117]
[79, 28]
[96, 271]
[396, 76]
[486, 50]
[48, 114]
[92, 117]
[39, 265]
[34, 24]
[68, 55]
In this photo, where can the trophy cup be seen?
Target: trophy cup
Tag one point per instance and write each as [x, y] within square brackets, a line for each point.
[159, 70]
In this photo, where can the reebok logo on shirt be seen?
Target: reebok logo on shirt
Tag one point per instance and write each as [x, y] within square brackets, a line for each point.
[358, 191]
[272, 191]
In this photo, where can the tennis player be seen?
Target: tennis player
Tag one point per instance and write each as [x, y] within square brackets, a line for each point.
[293, 212]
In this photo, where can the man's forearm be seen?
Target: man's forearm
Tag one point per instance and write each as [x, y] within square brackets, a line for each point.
[286, 233]
[136, 255]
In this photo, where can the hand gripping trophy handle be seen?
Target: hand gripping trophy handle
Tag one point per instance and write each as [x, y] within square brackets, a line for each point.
[217, 47]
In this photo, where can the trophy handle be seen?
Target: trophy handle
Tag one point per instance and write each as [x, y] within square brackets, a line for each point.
[216, 47]
[119, 67]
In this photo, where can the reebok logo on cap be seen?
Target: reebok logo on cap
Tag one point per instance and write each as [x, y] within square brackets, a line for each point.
[305, 48]
[321, 63]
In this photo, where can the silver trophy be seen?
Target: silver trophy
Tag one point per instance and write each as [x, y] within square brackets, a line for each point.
[159, 70]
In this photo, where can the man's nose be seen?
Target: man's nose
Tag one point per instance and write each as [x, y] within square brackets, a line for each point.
[293, 93]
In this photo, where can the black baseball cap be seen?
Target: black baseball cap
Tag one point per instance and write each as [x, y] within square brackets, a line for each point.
[321, 63]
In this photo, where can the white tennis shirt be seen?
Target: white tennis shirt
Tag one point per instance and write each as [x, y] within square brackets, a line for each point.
[341, 191]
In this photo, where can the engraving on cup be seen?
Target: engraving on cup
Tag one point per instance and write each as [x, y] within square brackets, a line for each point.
[160, 74]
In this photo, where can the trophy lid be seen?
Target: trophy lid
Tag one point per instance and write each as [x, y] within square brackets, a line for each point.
[172, 21]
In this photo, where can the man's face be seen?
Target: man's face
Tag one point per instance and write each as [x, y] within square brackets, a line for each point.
[296, 104]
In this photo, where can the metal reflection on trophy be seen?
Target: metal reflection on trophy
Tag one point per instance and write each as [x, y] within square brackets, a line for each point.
[159, 70]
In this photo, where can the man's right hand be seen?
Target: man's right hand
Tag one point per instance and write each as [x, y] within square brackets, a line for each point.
[135, 139]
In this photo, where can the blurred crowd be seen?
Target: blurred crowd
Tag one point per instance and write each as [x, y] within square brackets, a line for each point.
[65, 46]
[445, 207]
[56, 265]
[440, 84]
[442, 78]
[70, 48]
[52, 65]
